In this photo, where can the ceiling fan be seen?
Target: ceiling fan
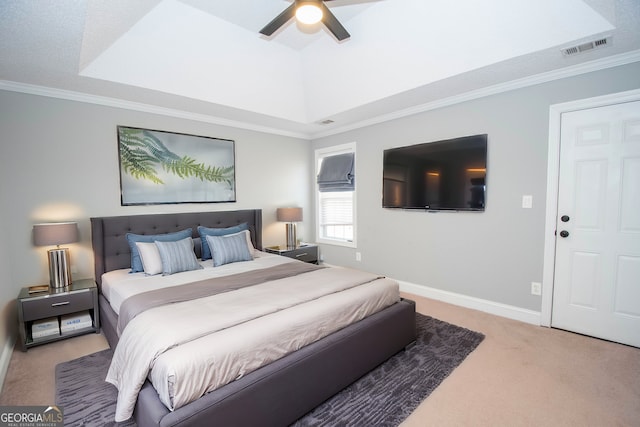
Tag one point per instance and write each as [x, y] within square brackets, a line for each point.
[308, 12]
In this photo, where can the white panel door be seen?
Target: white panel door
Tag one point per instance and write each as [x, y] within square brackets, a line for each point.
[596, 288]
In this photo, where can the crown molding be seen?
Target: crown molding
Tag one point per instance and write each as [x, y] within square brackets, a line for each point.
[572, 71]
[139, 106]
[575, 70]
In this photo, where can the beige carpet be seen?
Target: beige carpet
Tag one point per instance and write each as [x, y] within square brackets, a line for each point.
[520, 375]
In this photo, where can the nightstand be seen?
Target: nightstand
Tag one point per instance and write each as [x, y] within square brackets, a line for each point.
[306, 253]
[80, 296]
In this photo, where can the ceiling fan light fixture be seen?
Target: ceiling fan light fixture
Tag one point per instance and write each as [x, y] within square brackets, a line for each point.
[308, 12]
[317, 10]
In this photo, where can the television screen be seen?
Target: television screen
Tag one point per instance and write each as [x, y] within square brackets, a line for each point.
[440, 175]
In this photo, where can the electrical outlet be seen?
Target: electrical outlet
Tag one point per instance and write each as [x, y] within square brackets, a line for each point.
[536, 288]
[358, 256]
[527, 202]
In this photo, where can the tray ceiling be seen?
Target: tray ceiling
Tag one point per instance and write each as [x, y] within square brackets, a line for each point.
[208, 59]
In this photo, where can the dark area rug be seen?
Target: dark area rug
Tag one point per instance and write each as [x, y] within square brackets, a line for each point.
[383, 397]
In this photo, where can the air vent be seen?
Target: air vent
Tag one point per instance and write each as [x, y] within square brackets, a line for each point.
[585, 47]
[326, 122]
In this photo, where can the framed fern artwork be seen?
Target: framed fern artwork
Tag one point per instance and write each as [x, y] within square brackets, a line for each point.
[158, 167]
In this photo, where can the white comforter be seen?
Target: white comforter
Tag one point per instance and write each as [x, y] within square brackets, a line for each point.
[244, 330]
[118, 285]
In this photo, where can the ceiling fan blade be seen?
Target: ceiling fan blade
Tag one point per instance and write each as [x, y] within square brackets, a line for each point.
[279, 20]
[332, 23]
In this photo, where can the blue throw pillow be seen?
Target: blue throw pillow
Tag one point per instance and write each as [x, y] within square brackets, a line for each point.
[177, 256]
[206, 231]
[229, 248]
[136, 262]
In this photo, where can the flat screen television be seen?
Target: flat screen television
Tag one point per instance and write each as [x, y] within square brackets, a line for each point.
[440, 175]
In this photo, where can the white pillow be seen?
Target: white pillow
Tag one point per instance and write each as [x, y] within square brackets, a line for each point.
[150, 256]
[252, 250]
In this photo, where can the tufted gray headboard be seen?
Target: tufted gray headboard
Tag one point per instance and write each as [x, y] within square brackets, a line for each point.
[110, 247]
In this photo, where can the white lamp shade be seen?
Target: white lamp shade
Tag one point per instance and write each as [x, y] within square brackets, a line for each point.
[289, 214]
[57, 233]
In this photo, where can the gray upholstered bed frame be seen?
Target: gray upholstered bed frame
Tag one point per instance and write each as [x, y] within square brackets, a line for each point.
[279, 393]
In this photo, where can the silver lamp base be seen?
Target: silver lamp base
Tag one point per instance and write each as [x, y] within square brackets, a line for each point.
[59, 268]
[292, 242]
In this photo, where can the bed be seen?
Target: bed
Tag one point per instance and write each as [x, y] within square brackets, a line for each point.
[281, 391]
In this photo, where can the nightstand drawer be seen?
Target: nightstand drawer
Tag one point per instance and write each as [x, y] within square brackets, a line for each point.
[56, 305]
[304, 254]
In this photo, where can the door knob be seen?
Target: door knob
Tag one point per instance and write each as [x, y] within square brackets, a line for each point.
[565, 218]
[564, 233]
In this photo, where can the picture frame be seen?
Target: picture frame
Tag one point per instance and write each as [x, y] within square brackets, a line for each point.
[161, 167]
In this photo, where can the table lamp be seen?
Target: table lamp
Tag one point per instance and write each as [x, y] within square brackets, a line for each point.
[57, 234]
[290, 216]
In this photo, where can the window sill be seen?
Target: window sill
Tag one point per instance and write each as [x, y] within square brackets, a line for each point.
[343, 243]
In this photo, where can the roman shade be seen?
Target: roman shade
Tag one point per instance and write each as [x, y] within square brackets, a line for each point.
[337, 173]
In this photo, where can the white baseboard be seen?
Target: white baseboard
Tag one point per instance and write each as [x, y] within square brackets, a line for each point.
[491, 307]
[5, 358]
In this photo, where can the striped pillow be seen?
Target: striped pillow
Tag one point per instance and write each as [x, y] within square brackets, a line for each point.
[177, 256]
[229, 248]
[206, 231]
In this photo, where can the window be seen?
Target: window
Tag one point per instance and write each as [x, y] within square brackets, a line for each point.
[335, 195]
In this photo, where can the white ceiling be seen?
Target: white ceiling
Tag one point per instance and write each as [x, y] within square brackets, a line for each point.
[207, 60]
